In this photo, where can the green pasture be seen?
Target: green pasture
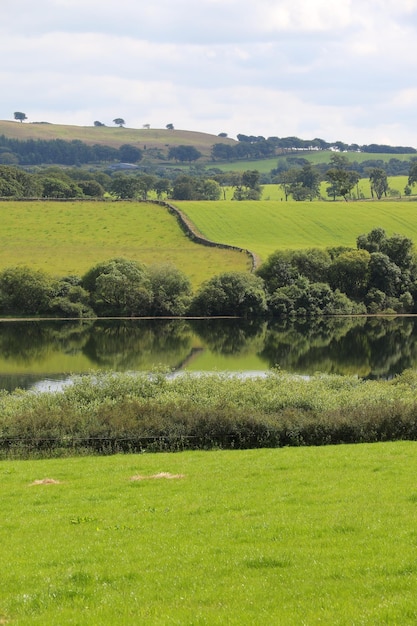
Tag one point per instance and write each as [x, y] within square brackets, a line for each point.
[266, 165]
[268, 225]
[288, 536]
[64, 238]
[112, 135]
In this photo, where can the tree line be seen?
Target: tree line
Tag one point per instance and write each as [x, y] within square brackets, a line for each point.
[253, 147]
[300, 180]
[304, 182]
[55, 182]
[378, 276]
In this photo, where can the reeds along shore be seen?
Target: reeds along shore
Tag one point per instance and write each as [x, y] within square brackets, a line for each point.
[113, 413]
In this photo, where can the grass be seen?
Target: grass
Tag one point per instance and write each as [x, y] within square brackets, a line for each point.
[268, 225]
[289, 536]
[266, 165]
[113, 136]
[64, 238]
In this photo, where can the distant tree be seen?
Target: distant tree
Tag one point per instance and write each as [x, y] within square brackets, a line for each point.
[301, 183]
[130, 154]
[24, 291]
[248, 187]
[91, 188]
[70, 299]
[341, 178]
[349, 272]
[119, 287]
[124, 187]
[398, 248]
[145, 182]
[287, 180]
[162, 186]
[183, 188]
[55, 187]
[171, 290]
[18, 115]
[209, 189]
[169, 126]
[222, 151]
[147, 126]
[412, 174]
[14, 182]
[222, 135]
[184, 153]
[97, 123]
[119, 121]
[232, 293]
[278, 270]
[379, 182]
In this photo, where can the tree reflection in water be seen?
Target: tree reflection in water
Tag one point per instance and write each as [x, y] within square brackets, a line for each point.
[368, 347]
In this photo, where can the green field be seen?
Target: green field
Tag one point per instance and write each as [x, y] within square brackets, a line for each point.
[288, 536]
[114, 136]
[64, 238]
[268, 225]
[266, 165]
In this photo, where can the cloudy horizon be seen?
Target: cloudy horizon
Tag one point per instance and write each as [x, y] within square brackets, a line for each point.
[273, 68]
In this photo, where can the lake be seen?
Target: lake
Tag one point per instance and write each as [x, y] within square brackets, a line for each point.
[38, 352]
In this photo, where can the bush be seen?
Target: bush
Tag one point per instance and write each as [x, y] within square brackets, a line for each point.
[231, 294]
[119, 287]
[24, 291]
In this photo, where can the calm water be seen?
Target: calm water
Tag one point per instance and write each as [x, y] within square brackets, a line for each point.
[31, 352]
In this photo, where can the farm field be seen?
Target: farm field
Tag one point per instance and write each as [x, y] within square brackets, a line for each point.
[65, 238]
[266, 165]
[290, 536]
[268, 225]
[112, 135]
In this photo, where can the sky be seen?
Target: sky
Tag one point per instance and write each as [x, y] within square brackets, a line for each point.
[342, 71]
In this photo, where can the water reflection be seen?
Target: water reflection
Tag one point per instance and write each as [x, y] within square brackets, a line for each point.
[367, 347]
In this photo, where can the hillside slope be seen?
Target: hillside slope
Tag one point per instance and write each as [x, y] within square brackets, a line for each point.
[113, 136]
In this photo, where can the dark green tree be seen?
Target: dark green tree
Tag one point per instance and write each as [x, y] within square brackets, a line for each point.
[231, 294]
[379, 182]
[342, 179]
[248, 187]
[349, 273]
[24, 291]
[184, 153]
[130, 154]
[124, 186]
[18, 115]
[412, 174]
[119, 287]
[171, 290]
[119, 121]
[91, 188]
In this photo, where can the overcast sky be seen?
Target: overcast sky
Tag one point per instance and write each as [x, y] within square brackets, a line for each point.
[339, 70]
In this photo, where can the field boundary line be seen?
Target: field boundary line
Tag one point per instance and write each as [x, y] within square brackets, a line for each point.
[195, 235]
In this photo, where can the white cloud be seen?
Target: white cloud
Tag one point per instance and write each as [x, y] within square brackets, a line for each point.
[271, 67]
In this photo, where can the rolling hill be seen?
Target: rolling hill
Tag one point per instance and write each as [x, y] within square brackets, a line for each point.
[115, 137]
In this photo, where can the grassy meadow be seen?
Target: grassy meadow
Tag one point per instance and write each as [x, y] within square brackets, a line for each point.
[63, 238]
[290, 536]
[323, 156]
[111, 135]
[268, 225]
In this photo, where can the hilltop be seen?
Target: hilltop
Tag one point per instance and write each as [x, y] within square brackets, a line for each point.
[113, 136]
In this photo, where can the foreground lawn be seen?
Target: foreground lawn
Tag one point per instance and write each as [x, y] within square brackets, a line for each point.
[65, 238]
[287, 536]
[268, 225]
